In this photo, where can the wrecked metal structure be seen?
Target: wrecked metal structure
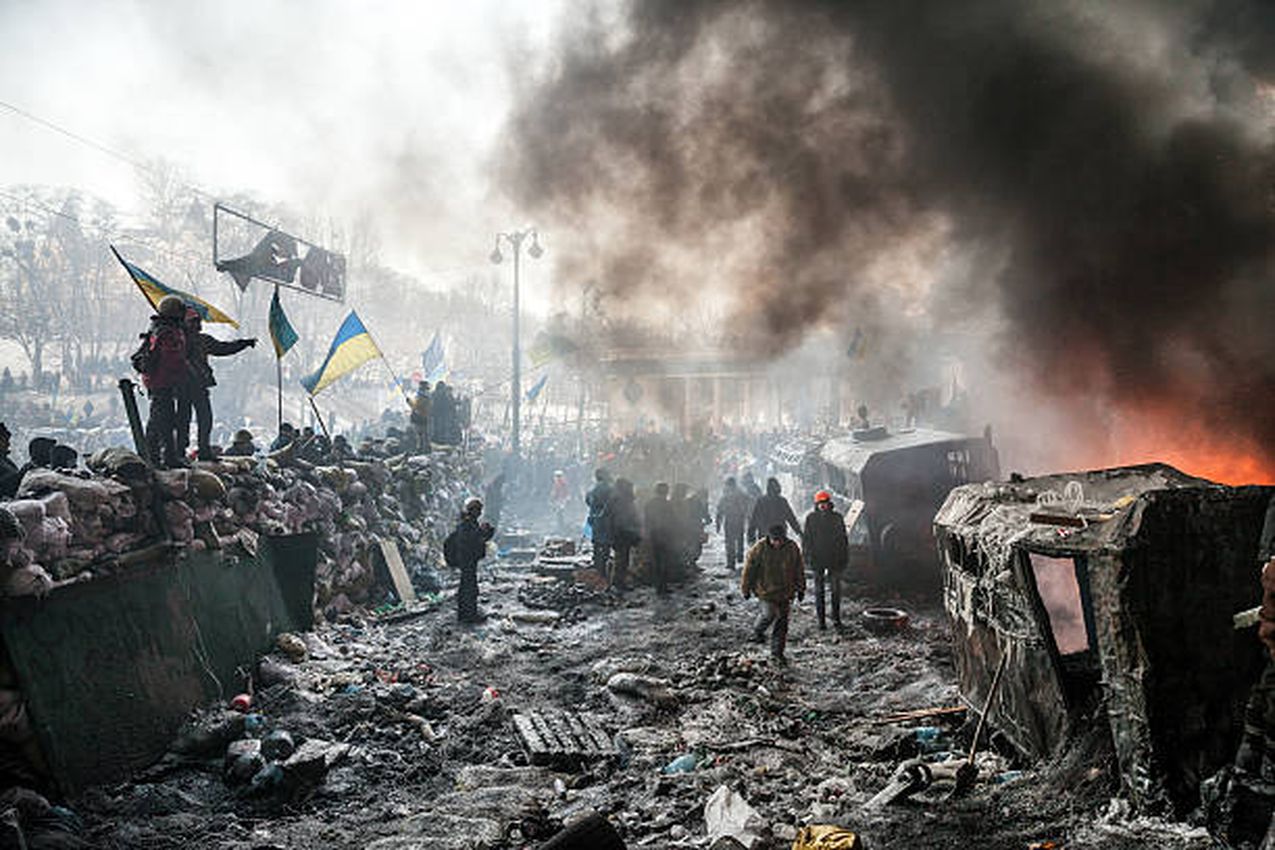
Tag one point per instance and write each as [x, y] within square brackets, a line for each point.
[1109, 593]
[902, 478]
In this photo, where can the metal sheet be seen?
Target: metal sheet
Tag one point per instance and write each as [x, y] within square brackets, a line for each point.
[110, 668]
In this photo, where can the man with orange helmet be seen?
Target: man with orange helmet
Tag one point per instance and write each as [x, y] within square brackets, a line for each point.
[827, 550]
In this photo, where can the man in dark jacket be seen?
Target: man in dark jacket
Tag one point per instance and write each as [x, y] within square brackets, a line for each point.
[772, 573]
[827, 551]
[661, 531]
[626, 530]
[9, 475]
[165, 373]
[420, 417]
[771, 509]
[199, 347]
[732, 519]
[599, 501]
[471, 547]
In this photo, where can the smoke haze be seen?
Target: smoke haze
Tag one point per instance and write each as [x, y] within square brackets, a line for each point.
[1076, 198]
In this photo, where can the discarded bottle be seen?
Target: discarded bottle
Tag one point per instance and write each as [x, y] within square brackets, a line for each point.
[928, 738]
[684, 763]
[254, 724]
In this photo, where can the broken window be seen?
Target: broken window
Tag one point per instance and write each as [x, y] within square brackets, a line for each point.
[1059, 587]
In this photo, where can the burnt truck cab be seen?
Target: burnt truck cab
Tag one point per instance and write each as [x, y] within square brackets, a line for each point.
[902, 479]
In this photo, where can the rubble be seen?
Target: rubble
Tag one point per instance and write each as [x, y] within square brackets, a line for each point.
[86, 525]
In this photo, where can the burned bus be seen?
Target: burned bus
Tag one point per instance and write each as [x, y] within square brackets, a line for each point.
[901, 479]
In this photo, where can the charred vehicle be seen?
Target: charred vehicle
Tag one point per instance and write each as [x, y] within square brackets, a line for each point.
[901, 479]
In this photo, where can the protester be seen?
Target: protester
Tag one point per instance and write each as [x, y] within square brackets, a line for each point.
[463, 549]
[626, 531]
[287, 436]
[420, 417]
[732, 518]
[195, 395]
[748, 484]
[63, 458]
[39, 455]
[341, 449]
[559, 495]
[827, 552]
[10, 477]
[772, 572]
[598, 499]
[242, 445]
[165, 370]
[494, 495]
[660, 530]
[771, 509]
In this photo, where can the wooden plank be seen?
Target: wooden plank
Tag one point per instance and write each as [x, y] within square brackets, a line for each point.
[398, 573]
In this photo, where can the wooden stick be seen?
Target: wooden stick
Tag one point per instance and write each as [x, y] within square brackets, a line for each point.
[920, 713]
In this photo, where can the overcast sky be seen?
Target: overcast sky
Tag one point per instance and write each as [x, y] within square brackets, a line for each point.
[386, 109]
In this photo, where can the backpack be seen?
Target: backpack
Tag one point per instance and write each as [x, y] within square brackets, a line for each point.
[164, 358]
[451, 550]
[141, 358]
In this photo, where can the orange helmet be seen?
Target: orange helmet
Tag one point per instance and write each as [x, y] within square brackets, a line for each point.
[823, 496]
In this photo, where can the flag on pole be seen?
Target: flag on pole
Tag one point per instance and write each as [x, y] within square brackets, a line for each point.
[352, 347]
[281, 332]
[539, 385]
[432, 364]
[155, 290]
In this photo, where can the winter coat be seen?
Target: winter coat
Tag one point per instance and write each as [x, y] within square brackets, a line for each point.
[773, 573]
[471, 541]
[772, 509]
[732, 508]
[626, 526]
[599, 502]
[659, 521]
[199, 346]
[824, 540]
[10, 478]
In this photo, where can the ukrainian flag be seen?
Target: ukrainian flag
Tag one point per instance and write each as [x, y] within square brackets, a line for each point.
[154, 290]
[352, 348]
[281, 332]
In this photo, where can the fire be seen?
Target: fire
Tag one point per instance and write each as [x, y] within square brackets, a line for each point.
[1169, 437]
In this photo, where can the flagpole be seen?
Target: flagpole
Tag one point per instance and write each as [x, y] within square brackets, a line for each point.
[393, 374]
[322, 424]
[278, 363]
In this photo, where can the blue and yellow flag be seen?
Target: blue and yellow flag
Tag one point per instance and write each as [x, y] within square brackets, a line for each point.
[432, 361]
[154, 290]
[352, 348]
[534, 392]
[281, 332]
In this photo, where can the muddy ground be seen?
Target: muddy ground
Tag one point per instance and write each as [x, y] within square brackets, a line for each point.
[434, 761]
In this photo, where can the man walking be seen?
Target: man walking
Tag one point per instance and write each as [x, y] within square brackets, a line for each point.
[827, 551]
[599, 501]
[732, 517]
[661, 530]
[626, 531]
[772, 572]
[771, 509]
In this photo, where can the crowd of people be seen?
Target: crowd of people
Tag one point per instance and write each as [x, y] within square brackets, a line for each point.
[671, 526]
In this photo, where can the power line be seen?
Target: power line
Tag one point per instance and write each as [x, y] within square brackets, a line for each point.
[98, 146]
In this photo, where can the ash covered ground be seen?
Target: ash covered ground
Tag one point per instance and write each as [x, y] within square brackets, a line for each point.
[414, 720]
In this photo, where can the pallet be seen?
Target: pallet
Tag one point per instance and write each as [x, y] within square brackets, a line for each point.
[562, 738]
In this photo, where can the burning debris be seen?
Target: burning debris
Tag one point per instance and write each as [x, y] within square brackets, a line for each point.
[1108, 598]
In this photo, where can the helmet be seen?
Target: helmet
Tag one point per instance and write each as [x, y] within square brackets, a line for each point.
[823, 496]
[172, 307]
[243, 435]
[474, 507]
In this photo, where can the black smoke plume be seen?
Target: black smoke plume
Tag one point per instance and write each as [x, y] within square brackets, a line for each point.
[1110, 167]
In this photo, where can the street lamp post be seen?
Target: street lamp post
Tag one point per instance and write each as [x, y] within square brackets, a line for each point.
[514, 239]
